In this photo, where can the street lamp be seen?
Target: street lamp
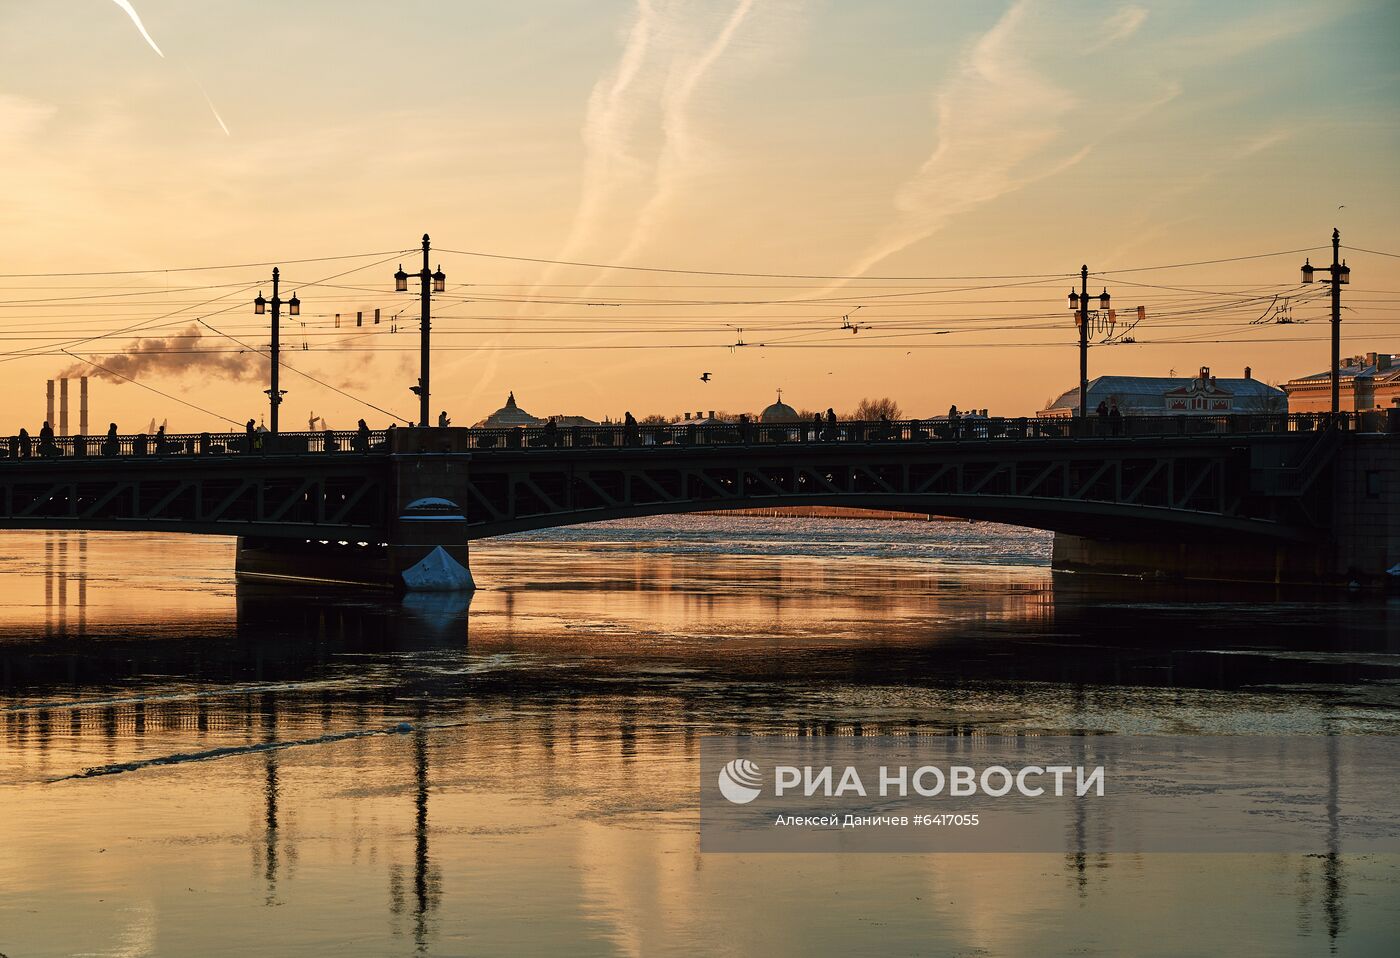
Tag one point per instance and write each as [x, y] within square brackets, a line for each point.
[1340, 275]
[1079, 305]
[274, 394]
[432, 282]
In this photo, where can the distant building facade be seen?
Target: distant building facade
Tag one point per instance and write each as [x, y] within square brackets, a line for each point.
[511, 415]
[1367, 382]
[1200, 395]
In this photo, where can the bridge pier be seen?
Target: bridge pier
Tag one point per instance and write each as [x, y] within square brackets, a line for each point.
[426, 548]
[1360, 544]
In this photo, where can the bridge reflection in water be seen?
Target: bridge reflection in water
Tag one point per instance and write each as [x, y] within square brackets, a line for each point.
[543, 792]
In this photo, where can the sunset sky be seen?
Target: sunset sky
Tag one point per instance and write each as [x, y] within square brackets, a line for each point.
[914, 144]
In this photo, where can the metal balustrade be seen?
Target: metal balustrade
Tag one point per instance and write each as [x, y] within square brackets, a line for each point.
[683, 434]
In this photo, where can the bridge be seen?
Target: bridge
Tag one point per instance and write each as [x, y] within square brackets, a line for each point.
[1268, 496]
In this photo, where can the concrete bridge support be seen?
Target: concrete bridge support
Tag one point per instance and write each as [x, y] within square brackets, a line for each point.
[1361, 545]
[426, 543]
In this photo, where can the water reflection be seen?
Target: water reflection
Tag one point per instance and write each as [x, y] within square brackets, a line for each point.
[517, 770]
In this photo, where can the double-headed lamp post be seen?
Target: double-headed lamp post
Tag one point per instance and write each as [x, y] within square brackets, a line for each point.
[1079, 305]
[432, 282]
[274, 394]
[1340, 275]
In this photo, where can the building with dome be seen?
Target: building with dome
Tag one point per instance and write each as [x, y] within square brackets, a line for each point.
[511, 415]
[779, 412]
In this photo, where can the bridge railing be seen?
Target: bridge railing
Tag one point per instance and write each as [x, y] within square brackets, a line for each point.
[685, 434]
[193, 445]
[970, 428]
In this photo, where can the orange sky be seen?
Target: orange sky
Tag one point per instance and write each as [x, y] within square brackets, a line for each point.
[910, 144]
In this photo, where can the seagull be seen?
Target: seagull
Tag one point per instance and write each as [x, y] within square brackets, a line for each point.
[705, 377]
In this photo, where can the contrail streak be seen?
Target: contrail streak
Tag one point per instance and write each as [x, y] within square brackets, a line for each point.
[212, 108]
[675, 123]
[136, 19]
[605, 133]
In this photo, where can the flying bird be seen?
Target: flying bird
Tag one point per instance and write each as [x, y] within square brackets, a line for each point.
[704, 377]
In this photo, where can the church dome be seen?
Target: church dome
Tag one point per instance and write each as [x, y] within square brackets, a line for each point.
[779, 412]
[509, 415]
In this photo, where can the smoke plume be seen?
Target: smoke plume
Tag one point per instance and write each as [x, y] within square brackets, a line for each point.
[179, 354]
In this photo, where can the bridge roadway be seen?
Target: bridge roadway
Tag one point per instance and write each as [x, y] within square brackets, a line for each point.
[398, 507]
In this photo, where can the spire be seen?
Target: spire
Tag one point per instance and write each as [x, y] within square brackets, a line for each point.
[510, 400]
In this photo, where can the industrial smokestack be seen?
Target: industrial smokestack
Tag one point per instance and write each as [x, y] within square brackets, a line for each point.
[63, 406]
[49, 419]
[82, 407]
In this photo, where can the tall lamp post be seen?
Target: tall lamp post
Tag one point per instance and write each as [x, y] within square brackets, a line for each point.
[432, 282]
[1079, 305]
[1340, 275]
[275, 394]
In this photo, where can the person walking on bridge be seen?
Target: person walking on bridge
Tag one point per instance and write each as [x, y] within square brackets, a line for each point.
[46, 445]
[112, 446]
[24, 446]
[830, 424]
[443, 421]
[362, 437]
[251, 426]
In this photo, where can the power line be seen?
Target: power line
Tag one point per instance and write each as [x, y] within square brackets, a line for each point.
[196, 269]
[752, 275]
[1373, 252]
[304, 375]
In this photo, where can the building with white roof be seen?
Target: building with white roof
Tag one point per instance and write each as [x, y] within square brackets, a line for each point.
[1200, 395]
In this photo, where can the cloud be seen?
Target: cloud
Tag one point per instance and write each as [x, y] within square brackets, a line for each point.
[1123, 24]
[997, 120]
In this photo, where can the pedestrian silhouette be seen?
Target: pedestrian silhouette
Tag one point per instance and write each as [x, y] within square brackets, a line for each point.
[46, 446]
[443, 421]
[112, 446]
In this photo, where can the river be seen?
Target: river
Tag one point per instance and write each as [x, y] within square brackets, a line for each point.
[194, 767]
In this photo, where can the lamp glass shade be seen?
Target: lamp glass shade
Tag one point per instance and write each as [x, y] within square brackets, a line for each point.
[439, 281]
[1344, 274]
[400, 280]
[294, 305]
[1073, 300]
[1103, 300]
[1307, 272]
[259, 305]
